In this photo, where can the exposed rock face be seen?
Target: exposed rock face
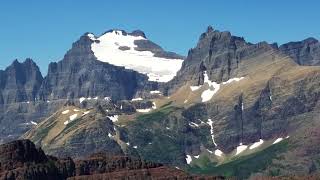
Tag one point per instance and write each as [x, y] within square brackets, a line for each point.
[218, 53]
[306, 52]
[21, 160]
[79, 74]
[20, 82]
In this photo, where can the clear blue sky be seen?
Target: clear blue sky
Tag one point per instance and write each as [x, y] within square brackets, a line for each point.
[45, 29]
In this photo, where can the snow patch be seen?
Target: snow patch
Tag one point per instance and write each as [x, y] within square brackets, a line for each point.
[193, 124]
[82, 99]
[76, 110]
[96, 98]
[196, 156]
[137, 99]
[85, 113]
[232, 80]
[241, 148]
[210, 122]
[33, 123]
[158, 69]
[277, 140]
[136, 147]
[256, 144]
[73, 117]
[208, 94]
[143, 110]
[188, 159]
[65, 112]
[218, 153]
[209, 151]
[113, 118]
[214, 87]
[194, 88]
[154, 105]
[155, 92]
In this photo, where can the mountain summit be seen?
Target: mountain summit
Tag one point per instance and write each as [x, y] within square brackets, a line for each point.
[134, 51]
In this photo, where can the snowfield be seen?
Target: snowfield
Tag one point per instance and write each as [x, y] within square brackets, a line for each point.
[106, 49]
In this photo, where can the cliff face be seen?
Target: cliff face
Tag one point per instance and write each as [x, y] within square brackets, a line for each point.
[306, 52]
[20, 82]
[21, 160]
[80, 74]
[218, 53]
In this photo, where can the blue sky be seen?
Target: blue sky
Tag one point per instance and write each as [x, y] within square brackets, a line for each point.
[44, 30]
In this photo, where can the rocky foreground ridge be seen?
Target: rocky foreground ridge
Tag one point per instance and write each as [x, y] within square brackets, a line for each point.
[22, 160]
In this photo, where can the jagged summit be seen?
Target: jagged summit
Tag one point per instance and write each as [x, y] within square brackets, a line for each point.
[135, 33]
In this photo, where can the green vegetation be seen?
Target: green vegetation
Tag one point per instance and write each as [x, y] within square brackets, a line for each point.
[42, 132]
[160, 114]
[159, 143]
[242, 167]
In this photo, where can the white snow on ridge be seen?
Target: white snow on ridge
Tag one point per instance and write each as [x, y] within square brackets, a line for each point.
[143, 110]
[208, 94]
[155, 92]
[82, 99]
[154, 105]
[71, 118]
[277, 140]
[113, 118]
[188, 159]
[65, 112]
[241, 148]
[256, 144]
[107, 50]
[194, 88]
[213, 87]
[137, 99]
[218, 152]
[232, 80]
[193, 124]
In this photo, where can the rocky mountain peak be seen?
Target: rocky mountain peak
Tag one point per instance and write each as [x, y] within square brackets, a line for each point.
[138, 33]
[305, 52]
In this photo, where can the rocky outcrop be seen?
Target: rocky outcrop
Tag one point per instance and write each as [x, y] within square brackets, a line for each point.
[20, 82]
[218, 53]
[22, 160]
[306, 52]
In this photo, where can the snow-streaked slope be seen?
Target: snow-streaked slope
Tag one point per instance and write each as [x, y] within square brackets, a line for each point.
[106, 49]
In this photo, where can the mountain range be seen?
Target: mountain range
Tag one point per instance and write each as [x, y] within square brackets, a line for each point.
[230, 108]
